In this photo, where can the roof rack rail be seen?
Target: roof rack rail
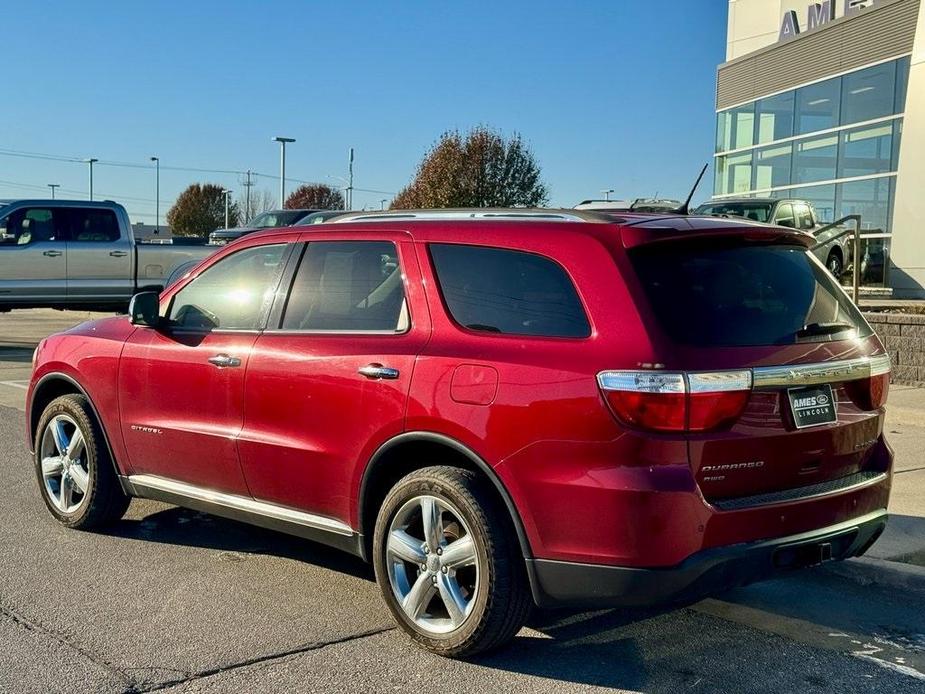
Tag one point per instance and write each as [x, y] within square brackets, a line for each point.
[546, 215]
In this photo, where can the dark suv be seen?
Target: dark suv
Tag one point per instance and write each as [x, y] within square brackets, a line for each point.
[495, 408]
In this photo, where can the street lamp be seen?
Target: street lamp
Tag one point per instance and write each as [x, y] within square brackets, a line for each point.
[382, 203]
[91, 162]
[157, 194]
[53, 186]
[607, 194]
[226, 193]
[282, 167]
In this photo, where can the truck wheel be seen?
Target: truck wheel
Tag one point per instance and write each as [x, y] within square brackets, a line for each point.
[450, 573]
[75, 473]
[834, 265]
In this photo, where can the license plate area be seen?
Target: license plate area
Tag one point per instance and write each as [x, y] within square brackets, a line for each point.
[812, 406]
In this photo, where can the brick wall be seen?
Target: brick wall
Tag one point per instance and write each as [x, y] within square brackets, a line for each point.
[903, 334]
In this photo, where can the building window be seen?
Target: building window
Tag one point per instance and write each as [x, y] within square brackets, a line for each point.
[897, 136]
[868, 94]
[866, 151]
[902, 84]
[815, 159]
[817, 106]
[735, 128]
[734, 174]
[772, 166]
[870, 199]
[774, 116]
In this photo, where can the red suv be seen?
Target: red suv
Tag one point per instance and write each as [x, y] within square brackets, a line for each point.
[496, 409]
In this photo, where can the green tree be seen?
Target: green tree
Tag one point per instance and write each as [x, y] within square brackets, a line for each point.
[315, 196]
[479, 169]
[200, 210]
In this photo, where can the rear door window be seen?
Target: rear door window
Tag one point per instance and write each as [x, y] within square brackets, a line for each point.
[509, 292]
[90, 225]
[744, 295]
[804, 217]
[347, 286]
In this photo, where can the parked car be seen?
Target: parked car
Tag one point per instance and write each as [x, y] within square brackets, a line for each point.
[496, 408]
[267, 220]
[787, 212]
[638, 205]
[76, 254]
[321, 217]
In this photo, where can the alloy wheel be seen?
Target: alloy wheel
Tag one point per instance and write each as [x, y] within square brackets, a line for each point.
[433, 564]
[65, 467]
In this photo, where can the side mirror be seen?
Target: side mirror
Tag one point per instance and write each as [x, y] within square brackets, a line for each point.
[144, 309]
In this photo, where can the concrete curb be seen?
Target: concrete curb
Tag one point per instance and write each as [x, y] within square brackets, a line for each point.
[890, 574]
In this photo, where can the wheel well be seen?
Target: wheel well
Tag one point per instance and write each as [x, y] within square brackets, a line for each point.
[405, 457]
[46, 392]
[837, 252]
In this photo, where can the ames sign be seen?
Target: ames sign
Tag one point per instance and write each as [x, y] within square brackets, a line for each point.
[817, 14]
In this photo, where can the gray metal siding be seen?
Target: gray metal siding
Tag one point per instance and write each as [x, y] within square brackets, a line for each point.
[880, 32]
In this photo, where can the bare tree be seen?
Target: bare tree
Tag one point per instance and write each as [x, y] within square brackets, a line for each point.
[260, 201]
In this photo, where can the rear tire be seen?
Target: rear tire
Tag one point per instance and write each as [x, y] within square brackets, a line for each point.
[75, 473]
[462, 596]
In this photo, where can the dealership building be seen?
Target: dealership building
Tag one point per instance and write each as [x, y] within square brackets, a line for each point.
[825, 101]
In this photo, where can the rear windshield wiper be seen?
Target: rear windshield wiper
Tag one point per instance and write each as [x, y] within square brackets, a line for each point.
[824, 329]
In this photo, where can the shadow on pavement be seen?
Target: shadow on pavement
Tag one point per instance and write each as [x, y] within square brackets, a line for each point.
[587, 648]
[903, 541]
[180, 526]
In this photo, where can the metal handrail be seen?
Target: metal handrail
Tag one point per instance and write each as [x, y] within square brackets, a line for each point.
[856, 233]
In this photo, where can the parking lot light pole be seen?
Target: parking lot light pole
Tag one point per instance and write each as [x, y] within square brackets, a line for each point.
[157, 194]
[282, 167]
[607, 194]
[226, 193]
[382, 203]
[91, 162]
[53, 186]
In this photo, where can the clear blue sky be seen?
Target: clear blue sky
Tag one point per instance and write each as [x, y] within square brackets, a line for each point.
[609, 93]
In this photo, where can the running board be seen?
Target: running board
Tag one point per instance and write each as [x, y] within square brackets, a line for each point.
[241, 508]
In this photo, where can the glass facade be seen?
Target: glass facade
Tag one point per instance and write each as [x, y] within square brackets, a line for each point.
[834, 143]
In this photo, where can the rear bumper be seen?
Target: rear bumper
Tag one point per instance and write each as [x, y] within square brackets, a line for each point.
[571, 584]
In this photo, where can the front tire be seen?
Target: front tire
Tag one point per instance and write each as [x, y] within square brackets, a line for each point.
[834, 265]
[446, 563]
[76, 477]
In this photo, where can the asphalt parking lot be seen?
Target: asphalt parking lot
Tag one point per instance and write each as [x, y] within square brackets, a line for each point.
[178, 601]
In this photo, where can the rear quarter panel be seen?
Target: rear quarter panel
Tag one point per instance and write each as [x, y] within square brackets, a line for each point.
[544, 428]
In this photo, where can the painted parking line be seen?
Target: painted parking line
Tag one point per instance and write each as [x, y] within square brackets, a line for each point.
[24, 385]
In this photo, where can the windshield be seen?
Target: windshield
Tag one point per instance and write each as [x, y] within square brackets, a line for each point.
[275, 219]
[756, 211]
[735, 296]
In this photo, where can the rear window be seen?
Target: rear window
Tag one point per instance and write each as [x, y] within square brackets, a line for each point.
[743, 295]
[508, 292]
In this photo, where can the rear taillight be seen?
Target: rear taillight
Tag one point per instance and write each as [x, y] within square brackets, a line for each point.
[870, 393]
[663, 401]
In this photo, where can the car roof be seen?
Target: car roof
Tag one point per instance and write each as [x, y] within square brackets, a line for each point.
[741, 200]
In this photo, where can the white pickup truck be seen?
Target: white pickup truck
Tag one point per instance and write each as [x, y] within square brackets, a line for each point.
[74, 254]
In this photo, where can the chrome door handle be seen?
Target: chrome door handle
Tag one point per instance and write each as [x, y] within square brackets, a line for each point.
[224, 361]
[118, 254]
[52, 254]
[379, 372]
